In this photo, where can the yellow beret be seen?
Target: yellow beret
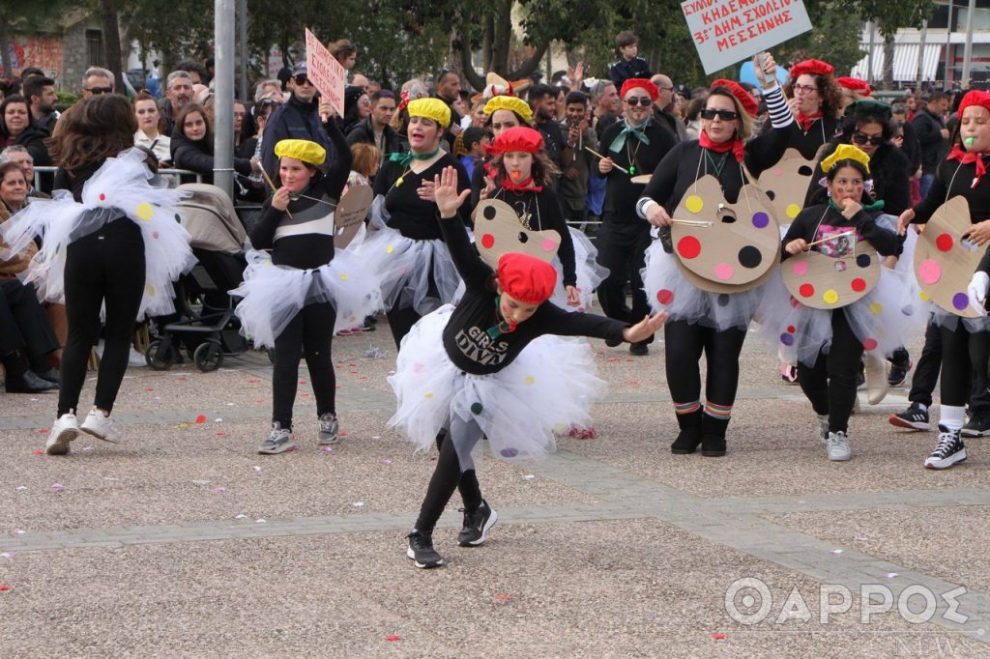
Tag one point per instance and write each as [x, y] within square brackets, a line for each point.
[513, 103]
[304, 150]
[430, 108]
[846, 152]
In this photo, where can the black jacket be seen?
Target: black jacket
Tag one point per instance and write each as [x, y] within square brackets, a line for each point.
[364, 133]
[621, 70]
[293, 120]
[928, 128]
[198, 157]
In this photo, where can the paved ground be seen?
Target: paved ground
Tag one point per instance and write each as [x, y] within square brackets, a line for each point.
[181, 541]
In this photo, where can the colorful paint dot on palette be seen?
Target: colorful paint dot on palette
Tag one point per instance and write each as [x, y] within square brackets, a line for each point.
[488, 241]
[694, 204]
[863, 260]
[689, 247]
[549, 245]
[723, 271]
[858, 284]
[929, 272]
[806, 290]
[800, 268]
[761, 220]
[777, 171]
[750, 257]
[792, 210]
[831, 296]
[960, 301]
[944, 242]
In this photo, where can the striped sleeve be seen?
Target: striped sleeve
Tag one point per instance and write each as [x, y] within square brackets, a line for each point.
[780, 113]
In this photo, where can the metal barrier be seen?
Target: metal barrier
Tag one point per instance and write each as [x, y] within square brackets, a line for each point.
[181, 175]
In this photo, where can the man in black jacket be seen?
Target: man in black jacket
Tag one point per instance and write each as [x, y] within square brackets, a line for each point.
[377, 129]
[933, 136]
[298, 118]
[543, 100]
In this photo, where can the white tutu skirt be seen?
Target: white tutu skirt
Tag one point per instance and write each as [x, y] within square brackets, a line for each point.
[121, 185]
[883, 320]
[549, 386]
[272, 295]
[668, 290]
[589, 272]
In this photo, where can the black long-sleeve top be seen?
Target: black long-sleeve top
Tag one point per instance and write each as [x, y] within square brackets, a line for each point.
[928, 129]
[620, 192]
[812, 223]
[465, 337]
[305, 240]
[197, 156]
[544, 213]
[891, 173]
[952, 179]
[807, 142]
[411, 216]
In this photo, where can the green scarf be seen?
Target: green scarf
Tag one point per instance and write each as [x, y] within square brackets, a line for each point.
[406, 157]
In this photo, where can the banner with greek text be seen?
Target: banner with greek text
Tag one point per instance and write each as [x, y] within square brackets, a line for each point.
[325, 72]
[728, 31]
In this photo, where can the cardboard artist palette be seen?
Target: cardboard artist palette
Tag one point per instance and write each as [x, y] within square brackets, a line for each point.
[352, 209]
[740, 244]
[826, 282]
[786, 184]
[498, 230]
[944, 262]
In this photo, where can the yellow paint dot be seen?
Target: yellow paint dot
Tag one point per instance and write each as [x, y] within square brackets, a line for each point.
[876, 308]
[529, 379]
[149, 289]
[694, 204]
[145, 211]
[428, 395]
[351, 318]
[792, 210]
[924, 296]
[343, 276]
[389, 249]
[560, 428]
[831, 296]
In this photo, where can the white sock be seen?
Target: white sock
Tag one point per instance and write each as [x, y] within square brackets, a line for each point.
[952, 416]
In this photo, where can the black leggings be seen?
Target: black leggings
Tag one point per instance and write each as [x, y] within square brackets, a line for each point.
[448, 477]
[964, 354]
[104, 268]
[309, 334]
[401, 319]
[830, 384]
[622, 249]
[683, 344]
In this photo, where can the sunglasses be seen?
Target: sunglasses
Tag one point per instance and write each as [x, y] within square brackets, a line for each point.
[724, 115]
[633, 101]
[300, 79]
[863, 138]
[100, 90]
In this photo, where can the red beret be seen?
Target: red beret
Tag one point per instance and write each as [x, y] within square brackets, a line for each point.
[642, 83]
[526, 278]
[974, 98]
[814, 67]
[517, 138]
[745, 99]
[855, 85]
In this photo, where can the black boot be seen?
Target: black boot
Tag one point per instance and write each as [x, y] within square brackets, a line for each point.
[690, 436]
[713, 436]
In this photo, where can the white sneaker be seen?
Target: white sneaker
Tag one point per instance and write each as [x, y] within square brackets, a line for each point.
[64, 430]
[837, 447]
[135, 358]
[100, 426]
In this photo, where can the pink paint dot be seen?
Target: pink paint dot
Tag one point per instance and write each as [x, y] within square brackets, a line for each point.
[723, 271]
[549, 245]
[800, 268]
[929, 272]
[777, 171]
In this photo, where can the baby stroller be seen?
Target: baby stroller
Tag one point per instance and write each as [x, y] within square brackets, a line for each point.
[204, 323]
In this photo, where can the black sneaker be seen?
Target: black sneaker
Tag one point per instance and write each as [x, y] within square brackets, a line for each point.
[421, 550]
[950, 450]
[913, 418]
[898, 372]
[978, 426]
[477, 525]
[612, 343]
[640, 349]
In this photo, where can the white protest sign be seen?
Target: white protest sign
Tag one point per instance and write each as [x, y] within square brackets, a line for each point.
[325, 72]
[728, 31]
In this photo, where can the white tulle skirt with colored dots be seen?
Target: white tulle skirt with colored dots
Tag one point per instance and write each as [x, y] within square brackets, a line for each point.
[549, 386]
[272, 295]
[669, 290]
[122, 185]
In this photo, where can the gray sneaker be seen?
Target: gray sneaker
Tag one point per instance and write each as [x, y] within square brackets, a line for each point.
[823, 428]
[328, 429]
[837, 447]
[279, 441]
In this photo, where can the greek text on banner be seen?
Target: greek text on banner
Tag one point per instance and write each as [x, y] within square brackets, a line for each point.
[728, 31]
[325, 72]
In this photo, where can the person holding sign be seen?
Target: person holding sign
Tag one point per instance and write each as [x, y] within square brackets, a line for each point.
[293, 299]
[297, 118]
[703, 321]
[964, 339]
[815, 99]
[408, 250]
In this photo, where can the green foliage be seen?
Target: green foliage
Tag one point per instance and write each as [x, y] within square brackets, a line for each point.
[65, 99]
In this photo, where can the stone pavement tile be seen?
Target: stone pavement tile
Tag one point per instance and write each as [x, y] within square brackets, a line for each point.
[947, 543]
[635, 588]
[164, 475]
[772, 452]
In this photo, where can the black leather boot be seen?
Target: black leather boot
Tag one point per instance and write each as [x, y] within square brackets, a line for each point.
[690, 436]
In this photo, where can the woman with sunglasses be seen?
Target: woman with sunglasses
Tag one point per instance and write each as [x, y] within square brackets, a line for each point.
[407, 250]
[700, 321]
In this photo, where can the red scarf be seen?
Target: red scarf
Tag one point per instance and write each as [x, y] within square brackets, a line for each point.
[735, 145]
[526, 185]
[805, 120]
[968, 157]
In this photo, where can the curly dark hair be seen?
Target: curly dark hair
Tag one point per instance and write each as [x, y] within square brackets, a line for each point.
[828, 91]
[92, 130]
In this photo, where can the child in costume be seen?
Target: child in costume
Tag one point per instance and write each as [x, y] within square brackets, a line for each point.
[296, 298]
[472, 370]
